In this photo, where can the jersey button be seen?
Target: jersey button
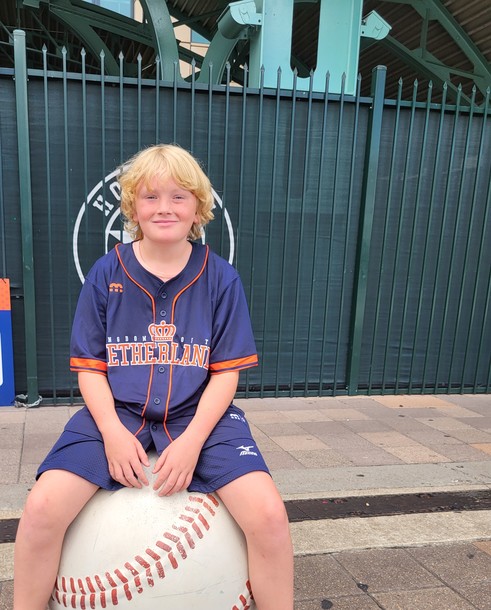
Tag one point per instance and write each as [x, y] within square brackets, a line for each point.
[163, 313]
[161, 369]
[154, 426]
[164, 295]
[156, 401]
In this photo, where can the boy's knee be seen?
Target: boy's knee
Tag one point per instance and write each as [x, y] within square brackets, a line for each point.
[39, 512]
[274, 519]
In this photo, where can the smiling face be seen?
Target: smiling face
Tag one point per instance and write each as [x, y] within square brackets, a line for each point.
[164, 210]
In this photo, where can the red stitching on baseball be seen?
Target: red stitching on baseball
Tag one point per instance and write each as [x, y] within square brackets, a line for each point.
[197, 518]
[141, 561]
[90, 585]
[152, 554]
[111, 580]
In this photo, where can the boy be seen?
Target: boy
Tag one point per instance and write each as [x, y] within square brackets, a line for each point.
[160, 334]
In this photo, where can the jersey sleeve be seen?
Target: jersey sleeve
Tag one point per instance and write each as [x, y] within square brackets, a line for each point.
[233, 347]
[88, 340]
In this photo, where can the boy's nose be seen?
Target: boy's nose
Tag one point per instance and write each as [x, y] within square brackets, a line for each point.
[164, 205]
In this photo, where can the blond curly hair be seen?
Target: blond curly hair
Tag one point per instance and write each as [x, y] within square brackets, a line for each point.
[172, 161]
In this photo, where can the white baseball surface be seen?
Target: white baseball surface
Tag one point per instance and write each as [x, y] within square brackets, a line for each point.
[133, 549]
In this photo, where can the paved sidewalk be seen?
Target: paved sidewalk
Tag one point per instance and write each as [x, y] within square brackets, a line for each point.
[328, 450]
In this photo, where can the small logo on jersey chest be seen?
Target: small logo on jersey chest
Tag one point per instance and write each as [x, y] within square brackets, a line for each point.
[115, 287]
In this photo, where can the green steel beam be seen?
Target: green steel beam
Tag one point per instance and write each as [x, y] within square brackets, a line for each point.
[159, 18]
[367, 211]
[90, 39]
[82, 17]
[25, 197]
[434, 10]
[433, 70]
[337, 47]
[217, 56]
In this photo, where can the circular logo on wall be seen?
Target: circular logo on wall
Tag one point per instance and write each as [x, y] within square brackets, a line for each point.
[102, 209]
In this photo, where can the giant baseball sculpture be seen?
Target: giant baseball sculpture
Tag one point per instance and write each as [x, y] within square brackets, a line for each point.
[132, 549]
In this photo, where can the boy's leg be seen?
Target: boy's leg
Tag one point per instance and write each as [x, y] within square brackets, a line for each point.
[54, 502]
[256, 505]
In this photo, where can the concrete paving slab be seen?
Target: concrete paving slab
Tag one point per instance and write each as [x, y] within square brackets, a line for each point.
[356, 533]
[308, 415]
[479, 595]
[319, 576]
[417, 454]
[6, 595]
[320, 458]
[299, 442]
[466, 566]
[387, 570]
[388, 439]
[6, 561]
[340, 603]
[346, 479]
[428, 599]
[462, 452]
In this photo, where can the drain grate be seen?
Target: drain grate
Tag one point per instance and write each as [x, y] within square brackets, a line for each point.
[361, 506]
[8, 529]
[382, 506]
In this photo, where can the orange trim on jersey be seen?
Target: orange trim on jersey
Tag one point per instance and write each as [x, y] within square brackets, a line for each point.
[234, 365]
[83, 364]
[172, 322]
[154, 319]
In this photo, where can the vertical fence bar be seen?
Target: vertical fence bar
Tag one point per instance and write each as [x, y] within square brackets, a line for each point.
[316, 244]
[193, 102]
[467, 243]
[139, 104]
[298, 292]
[157, 100]
[442, 240]
[257, 185]
[450, 278]
[419, 274]
[25, 195]
[243, 131]
[271, 224]
[383, 256]
[286, 250]
[210, 122]
[50, 223]
[482, 243]
[401, 229]
[121, 106]
[349, 208]
[431, 215]
[367, 210]
[334, 210]
[325, 320]
[68, 224]
[225, 154]
[174, 98]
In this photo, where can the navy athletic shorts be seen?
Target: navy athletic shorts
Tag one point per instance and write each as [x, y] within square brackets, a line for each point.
[229, 452]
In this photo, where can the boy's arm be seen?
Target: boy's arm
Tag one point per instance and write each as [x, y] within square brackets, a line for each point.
[175, 467]
[124, 451]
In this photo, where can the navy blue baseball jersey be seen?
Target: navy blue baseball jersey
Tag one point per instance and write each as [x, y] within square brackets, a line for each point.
[158, 342]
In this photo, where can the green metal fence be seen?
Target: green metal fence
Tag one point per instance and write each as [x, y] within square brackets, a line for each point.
[360, 225]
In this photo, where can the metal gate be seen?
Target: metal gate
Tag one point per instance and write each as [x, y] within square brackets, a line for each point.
[360, 226]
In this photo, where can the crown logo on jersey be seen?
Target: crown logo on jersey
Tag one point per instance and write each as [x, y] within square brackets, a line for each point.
[162, 331]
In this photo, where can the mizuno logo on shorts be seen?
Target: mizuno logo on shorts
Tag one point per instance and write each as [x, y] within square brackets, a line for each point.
[247, 450]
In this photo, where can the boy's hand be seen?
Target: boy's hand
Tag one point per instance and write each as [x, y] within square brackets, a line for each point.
[175, 467]
[125, 456]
